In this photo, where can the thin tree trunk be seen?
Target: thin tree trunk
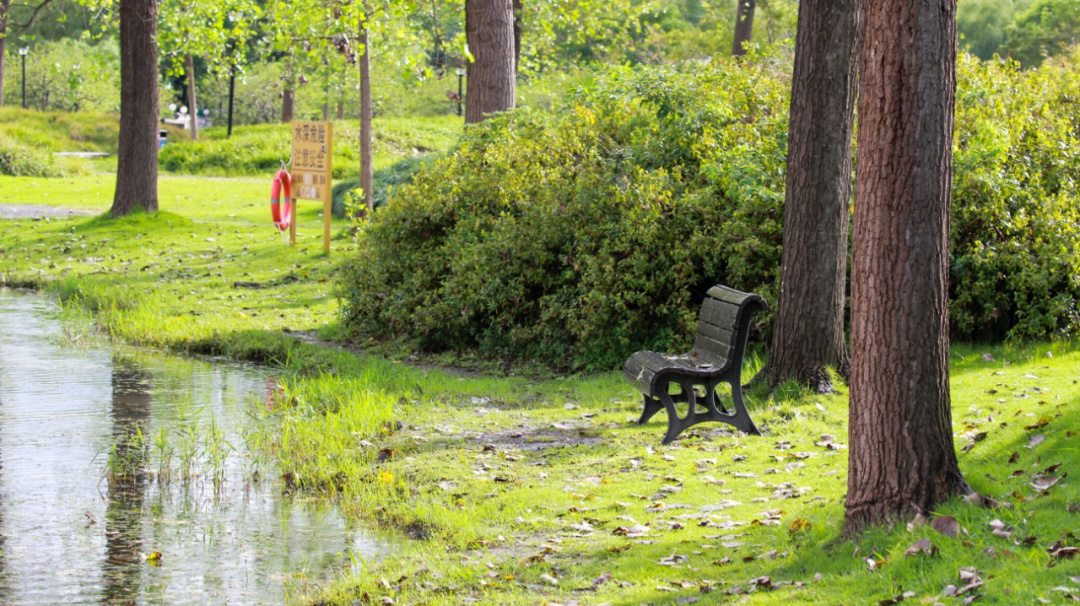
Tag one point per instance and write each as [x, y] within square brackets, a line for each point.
[489, 31]
[287, 100]
[193, 105]
[5, 14]
[809, 331]
[367, 171]
[744, 26]
[136, 167]
[902, 459]
[517, 36]
[340, 109]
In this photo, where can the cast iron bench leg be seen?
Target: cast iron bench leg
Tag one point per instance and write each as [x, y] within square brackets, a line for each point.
[738, 418]
[652, 406]
[741, 419]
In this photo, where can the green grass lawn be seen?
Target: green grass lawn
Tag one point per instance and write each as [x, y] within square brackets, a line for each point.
[251, 151]
[514, 490]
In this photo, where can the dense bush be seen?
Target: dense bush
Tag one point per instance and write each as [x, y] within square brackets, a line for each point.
[1016, 201]
[18, 160]
[578, 235]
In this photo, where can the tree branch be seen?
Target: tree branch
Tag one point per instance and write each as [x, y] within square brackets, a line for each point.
[22, 27]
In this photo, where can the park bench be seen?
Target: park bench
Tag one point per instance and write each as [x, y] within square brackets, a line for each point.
[717, 356]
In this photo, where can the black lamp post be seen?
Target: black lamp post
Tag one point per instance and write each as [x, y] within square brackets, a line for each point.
[460, 76]
[22, 53]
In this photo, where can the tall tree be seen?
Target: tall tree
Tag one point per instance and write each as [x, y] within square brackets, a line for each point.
[5, 17]
[193, 104]
[744, 26]
[367, 167]
[517, 37]
[489, 30]
[902, 459]
[136, 168]
[809, 333]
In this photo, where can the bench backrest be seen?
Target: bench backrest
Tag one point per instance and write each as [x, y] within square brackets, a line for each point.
[723, 324]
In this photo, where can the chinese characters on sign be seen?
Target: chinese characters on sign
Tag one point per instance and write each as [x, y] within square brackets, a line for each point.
[312, 160]
[311, 149]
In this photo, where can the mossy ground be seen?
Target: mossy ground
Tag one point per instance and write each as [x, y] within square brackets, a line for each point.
[513, 490]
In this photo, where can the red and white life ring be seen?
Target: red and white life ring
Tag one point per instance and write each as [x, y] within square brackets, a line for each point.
[282, 181]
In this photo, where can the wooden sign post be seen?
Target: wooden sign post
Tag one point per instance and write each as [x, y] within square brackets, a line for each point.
[312, 168]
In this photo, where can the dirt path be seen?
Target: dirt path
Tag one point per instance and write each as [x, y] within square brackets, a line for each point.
[31, 211]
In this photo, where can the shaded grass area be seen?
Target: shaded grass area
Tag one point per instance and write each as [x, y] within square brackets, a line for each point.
[524, 491]
[61, 131]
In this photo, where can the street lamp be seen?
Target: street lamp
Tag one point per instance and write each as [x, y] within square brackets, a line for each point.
[460, 76]
[22, 53]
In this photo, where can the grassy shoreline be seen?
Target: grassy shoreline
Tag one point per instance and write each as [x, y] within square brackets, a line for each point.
[513, 490]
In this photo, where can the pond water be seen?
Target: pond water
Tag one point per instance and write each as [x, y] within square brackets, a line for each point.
[110, 456]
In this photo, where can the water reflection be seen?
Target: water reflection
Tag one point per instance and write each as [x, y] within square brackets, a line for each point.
[130, 416]
[108, 455]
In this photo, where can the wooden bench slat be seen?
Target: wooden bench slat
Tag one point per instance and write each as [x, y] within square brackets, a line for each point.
[713, 351]
[730, 295]
[721, 335]
[718, 313]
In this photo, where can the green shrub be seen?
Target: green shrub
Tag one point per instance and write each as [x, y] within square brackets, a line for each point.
[1016, 218]
[18, 160]
[578, 235]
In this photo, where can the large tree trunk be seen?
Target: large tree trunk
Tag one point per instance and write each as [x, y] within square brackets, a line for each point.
[809, 331]
[489, 31]
[744, 26]
[193, 106]
[902, 459]
[136, 166]
[287, 101]
[367, 170]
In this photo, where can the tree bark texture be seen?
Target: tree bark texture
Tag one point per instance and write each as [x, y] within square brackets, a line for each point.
[809, 333]
[193, 105]
[902, 459]
[367, 169]
[744, 26]
[489, 30]
[287, 101]
[136, 166]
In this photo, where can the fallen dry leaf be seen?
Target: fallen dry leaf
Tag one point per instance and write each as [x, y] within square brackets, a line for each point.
[1000, 529]
[798, 526]
[946, 525]
[1044, 483]
[598, 581]
[921, 546]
